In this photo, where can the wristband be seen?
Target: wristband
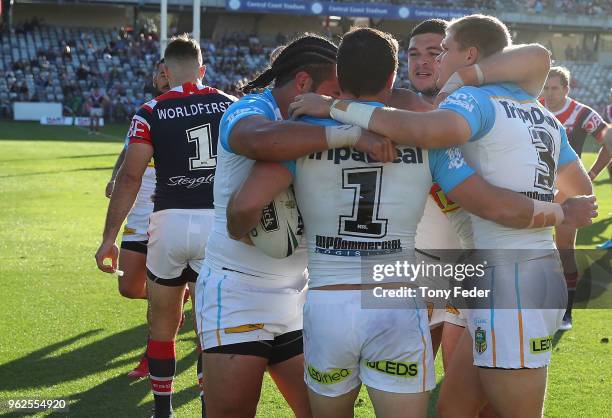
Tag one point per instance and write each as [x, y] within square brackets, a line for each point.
[342, 136]
[546, 214]
[351, 113]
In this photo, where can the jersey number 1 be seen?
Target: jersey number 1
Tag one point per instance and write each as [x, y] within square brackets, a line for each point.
[204, 158]
[364, 221]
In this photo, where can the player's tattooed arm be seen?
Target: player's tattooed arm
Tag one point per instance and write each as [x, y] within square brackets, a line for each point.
[515, 210]
[126, 188]
[263, 184]
[111, 183]
[525, 65]
[259, 138]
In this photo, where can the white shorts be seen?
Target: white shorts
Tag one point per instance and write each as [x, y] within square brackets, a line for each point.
[177, 239]
[137, 224]
[96, 112]
[345, 345]
[436, 316]
[439, 310]
[516, 337]
[455, 316]
[450, 314]
[236, 308]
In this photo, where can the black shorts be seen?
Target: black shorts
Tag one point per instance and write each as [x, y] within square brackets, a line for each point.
[137, 246]
[188, 275]
[281, 348]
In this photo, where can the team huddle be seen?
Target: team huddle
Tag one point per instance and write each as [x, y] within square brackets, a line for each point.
[471, 160]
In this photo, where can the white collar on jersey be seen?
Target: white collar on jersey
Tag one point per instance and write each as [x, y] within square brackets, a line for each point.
[179, 89]
[565, 106]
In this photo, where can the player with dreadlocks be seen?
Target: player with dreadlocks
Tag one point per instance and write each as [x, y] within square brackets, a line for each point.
[250, 316]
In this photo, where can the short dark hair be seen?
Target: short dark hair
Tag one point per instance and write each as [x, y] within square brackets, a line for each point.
[310, 53]
[183, 47]
[366, 59]
[430, 26]
[487, 33]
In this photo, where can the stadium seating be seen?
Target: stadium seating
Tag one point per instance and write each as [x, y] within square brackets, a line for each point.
[54, 64]
[590, 83]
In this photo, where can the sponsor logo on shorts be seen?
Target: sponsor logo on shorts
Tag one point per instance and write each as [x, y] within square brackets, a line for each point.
[394, 368]
[480, 340]
[540, 345]
[128, 231]
[243, 328]
[328, 377]
[452, 310]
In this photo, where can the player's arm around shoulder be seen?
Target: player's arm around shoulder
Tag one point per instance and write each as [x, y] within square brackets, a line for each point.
[262, 139]
[408, 100]
[515, 210]
[526, 65]
[264, 183]
[259, 138]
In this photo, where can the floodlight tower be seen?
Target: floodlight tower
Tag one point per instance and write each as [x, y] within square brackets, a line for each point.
[163, 32]
[197, 8]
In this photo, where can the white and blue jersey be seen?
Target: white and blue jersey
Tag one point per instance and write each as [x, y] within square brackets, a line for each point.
[516, 144]
[354, 207]
[222, 252]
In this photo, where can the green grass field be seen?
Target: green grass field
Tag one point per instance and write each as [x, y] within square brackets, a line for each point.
[66, 333]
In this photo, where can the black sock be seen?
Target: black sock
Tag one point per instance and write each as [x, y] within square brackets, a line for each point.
[200, 380]
[571, 279]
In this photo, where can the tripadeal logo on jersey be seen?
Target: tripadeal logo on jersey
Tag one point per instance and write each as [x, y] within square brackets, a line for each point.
[534, 116]
[406, 155]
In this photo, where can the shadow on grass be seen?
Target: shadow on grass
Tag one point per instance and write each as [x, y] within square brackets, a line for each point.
[41, 173]
[594, 289]
[117, 396]
[34, 131]
[67, 157]
[558, 336]
[120, 395]
[594, 233]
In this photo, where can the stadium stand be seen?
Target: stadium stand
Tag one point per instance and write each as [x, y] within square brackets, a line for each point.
[590, 83]
[55, 64]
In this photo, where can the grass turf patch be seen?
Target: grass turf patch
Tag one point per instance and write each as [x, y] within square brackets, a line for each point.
[66, 332]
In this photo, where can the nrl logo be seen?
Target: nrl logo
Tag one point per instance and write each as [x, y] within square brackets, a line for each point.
[480, 340]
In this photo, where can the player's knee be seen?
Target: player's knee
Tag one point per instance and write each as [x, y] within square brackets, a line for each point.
[450, 408]
[128, 290]
[229, 407]
[444, 408]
